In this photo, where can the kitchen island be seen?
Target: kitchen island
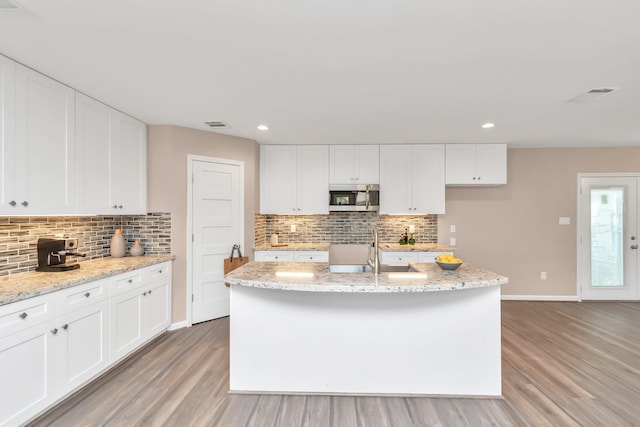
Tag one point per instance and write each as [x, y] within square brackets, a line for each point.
[298, 328]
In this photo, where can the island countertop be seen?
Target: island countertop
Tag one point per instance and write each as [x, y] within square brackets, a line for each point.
[315, 277]
[21, 286]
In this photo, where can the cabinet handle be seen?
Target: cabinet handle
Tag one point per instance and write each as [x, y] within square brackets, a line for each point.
[23, 315]
[13, 203]
[25, 203]
[65, 326]
[115, 206]
[144, 294]
[130, 280]
[149, 291]
[119, 206]
[88, 294]
[160, 271]
[54, 331]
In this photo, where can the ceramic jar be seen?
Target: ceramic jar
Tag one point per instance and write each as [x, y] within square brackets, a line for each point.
[136, 249]
[118, 248]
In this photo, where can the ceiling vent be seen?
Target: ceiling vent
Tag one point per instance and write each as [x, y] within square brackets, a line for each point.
[593, 94]
[215, 124]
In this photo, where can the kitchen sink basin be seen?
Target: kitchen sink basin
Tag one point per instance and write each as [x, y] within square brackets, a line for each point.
[363, 268]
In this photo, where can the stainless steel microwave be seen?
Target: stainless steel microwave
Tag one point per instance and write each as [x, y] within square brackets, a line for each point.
[354, 197]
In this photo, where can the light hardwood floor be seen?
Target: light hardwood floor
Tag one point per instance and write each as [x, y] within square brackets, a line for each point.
[564, 364]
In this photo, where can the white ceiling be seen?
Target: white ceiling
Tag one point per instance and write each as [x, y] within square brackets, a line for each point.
[349, 71]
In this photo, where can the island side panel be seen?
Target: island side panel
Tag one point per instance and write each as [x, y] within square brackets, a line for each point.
[428, 343]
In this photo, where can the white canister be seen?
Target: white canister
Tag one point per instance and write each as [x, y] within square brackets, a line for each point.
[274, 239]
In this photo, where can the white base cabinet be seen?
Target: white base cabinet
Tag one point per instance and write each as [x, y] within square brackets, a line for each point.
[53, 344]
[291, 256]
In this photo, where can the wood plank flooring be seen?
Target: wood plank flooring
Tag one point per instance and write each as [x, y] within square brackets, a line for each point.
[564, 364]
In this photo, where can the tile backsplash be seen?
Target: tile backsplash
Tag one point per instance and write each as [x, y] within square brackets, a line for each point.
[18, 236]
[344, 227]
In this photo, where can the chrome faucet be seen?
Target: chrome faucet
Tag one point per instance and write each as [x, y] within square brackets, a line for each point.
[374, 262]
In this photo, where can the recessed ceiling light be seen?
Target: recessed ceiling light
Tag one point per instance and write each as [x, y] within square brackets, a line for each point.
[263, 127]
[488, 125]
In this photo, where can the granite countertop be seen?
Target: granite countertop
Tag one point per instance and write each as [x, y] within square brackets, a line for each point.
[294, 247]
[264, 275]
[418, 247]
[21, 286]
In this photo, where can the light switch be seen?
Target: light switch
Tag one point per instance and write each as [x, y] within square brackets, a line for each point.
[293, 228]
[564, 220]
[453, 228]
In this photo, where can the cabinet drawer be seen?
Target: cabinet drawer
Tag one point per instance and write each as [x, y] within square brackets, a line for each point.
[311, 256]
[430, 256]
[274, 256]
[83, 295]
[398, 258]
[157, 271]
[127, 281]
[26, 313]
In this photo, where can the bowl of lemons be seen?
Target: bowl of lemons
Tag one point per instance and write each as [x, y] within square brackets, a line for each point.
[448, 262]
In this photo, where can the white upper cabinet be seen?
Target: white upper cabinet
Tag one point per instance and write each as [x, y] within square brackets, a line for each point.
[38, 164]
[294, 180]
[412, 179]
[111, 160]
[476, 164]
[354, 164]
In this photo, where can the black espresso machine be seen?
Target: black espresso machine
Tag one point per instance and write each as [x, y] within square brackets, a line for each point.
[53, 253]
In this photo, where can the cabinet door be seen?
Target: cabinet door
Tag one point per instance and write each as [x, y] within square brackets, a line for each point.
[311, 256]
[83, 345]
[491, 164]
[427, 176]
[94, 138]
[395, 180]
[129, 166]
[398, 258]
[45, 152]
[278, 182]
[156, 299]
[126, 323]
[313, 180]
[367, 164]
[461, 164]
[28, 371]
[7, 137]
[341, 164]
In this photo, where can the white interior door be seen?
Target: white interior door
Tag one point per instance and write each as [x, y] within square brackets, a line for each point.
[608, 238]
[217, 221]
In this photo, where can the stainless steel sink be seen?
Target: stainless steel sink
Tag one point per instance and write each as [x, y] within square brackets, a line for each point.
[362, 268]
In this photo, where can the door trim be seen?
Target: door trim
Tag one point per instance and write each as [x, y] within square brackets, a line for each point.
[580, 224]
[191, 158]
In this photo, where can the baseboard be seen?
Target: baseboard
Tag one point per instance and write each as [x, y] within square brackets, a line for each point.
[178, 325]
[573, 298]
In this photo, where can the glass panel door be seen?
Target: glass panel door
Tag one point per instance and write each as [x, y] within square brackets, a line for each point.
[608, 242]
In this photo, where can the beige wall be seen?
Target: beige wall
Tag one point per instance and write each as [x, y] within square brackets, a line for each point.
[514, 230]
[167, 150]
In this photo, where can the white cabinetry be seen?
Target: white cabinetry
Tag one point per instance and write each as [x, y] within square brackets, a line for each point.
[83, 333]
[28, 356]
[294, 180]
[139, 308]
[354, 164]
[52, 344]
[112, 159]
[406, 257]
[297, 256]
[476, 164]
[412, 179]
[38, 175]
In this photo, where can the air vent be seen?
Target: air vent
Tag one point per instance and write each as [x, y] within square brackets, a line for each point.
[216, 124]
[593, 94]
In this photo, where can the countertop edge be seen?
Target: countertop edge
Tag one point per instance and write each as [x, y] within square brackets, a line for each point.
[80, 277]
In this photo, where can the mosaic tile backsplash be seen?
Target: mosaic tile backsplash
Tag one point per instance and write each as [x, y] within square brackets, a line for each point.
[344, 227]
[19, 235]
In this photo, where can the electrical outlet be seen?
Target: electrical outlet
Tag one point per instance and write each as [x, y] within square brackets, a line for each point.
[543, 275]
[564, 220]
[293, 228]
[412, 228]
[452, 241]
